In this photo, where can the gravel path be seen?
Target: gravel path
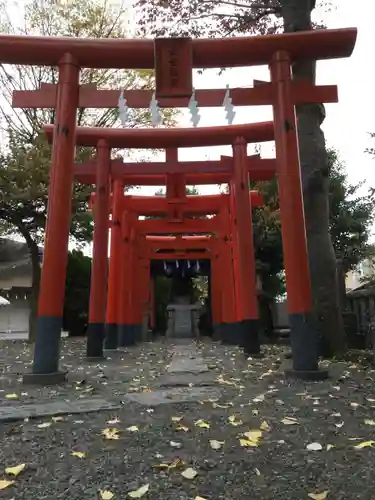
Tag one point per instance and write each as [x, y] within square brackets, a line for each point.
[75, 457]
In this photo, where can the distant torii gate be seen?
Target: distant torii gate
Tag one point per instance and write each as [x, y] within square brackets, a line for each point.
[173, 61]
[247, 326]
[160, 206]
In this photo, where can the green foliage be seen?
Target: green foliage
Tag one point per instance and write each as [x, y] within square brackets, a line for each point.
[351, 218]
[352, 215]
[77, 293]
[190, 191]
[267, 240]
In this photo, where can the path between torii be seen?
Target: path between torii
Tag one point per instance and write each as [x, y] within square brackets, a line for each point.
[187, 378]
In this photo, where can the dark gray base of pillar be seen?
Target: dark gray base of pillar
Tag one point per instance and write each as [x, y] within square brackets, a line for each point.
[95, 337]
[126, 335]
[230, 333]
[250, 339]
[304, 343]
[47, 345]
[44, 378]
[111, 338]
[308, 375]
[138, 329]
[217, 332]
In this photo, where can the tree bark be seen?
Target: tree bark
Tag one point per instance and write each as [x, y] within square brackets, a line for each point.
[314, 171]
[35, 281]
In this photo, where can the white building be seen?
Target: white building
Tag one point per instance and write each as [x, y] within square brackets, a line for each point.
[15, 286]
[365, 270]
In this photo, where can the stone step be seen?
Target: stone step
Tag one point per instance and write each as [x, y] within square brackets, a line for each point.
[174, 395]
[37, 410]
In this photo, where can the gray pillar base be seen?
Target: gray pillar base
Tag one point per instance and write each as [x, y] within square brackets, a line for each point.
[308, 375]
[44, 378]
[126, 335]
[250, 337]
[304, 343]
[217, 333]
[95, 337]
[138, 329]
[47, 345]
[231, 333]
[111, 338]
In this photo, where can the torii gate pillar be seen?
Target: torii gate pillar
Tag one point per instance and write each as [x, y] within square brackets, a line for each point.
[98, 288]
[303, 331]
[114, 280]
[52, 285]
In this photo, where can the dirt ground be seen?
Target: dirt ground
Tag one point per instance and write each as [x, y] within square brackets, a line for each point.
[263, 438]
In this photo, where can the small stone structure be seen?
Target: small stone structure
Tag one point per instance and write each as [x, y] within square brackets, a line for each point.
[183, 320]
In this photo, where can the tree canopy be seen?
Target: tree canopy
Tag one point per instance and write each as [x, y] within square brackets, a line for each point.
[351, 216]
[24, 152]
[213, 18]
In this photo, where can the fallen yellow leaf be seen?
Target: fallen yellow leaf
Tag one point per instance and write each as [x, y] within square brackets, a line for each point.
[318, 496]
[11, 396]
[139, 492]
[330, 446]
[247, 443]
[259, 398]
[216, 445]
[217, 405]
[44, 425]
[111, 433]
[203, 424]
[132, 428]
[369, 422]
[78, 454]
[364, 444]
[178, 463]
[232, 420]
[106, 495]
[265, 427]
[199, 498]
[182, 428]
[4, 483]
[254, 435]
[14, 471]
[176, 419]
[289, 421]
[189, 473]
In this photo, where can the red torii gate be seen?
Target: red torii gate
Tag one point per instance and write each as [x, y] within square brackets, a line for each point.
[137, 249]
[173, 78]
[195, 172]
[159, 206]
[247, 327]
[187, 205]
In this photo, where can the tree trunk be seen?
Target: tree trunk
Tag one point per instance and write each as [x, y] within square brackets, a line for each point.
[314, 170]
[35, 282]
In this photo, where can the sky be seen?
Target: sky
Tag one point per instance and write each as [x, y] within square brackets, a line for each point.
[348, 122]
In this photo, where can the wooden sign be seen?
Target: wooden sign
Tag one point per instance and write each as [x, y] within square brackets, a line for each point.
[173, 67]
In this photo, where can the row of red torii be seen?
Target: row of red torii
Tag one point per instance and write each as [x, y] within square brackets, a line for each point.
[173, 61]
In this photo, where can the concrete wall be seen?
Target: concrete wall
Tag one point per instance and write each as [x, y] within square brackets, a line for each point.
[18, 277]
[15, 317]
[280, 315]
